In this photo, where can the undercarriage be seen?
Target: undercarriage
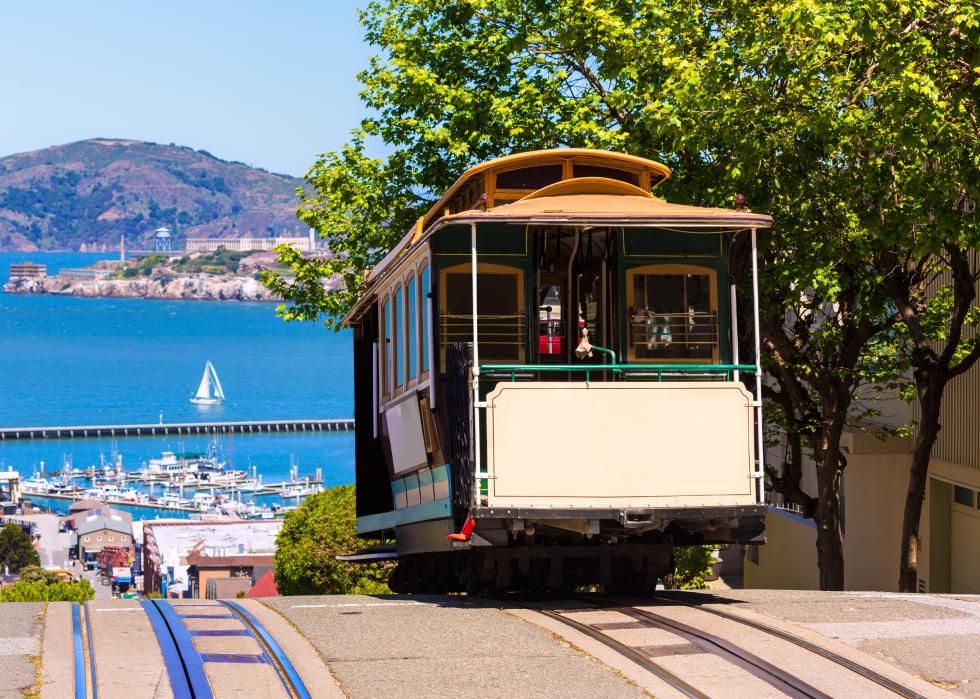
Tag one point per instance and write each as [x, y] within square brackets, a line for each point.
[622, 550]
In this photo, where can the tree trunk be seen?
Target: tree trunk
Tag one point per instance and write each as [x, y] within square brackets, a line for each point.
[830, 532]
[830, 535]
[930, 400]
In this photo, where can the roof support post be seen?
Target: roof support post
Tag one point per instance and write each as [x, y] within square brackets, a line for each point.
[733, 315]
[477, 451]
[760, 454]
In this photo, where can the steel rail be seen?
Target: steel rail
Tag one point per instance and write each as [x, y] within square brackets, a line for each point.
[851, 665]
[789, 684]
[280, 661]
[627, 651]
[91, 649]
[191, 661]
[78, 646]
[176, 672]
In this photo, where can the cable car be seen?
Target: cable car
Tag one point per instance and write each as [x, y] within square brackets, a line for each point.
[548, 387]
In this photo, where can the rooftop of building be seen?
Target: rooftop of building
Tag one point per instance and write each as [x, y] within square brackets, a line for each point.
[223, 538]
[105, 518]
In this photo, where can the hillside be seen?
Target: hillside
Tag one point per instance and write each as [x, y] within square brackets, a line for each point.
[84, 195]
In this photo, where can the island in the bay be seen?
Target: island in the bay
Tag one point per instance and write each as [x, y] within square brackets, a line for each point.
[187, 225]
[221, 275]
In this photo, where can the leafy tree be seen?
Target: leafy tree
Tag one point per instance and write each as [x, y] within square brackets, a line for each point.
[935, 296]
[16, 549]
[34, 574]
[311, 538]
[39, 591]
[851, 123]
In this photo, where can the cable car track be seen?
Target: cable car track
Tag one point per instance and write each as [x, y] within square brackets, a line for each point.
[709, 643]
[184, 663]
[857, 668]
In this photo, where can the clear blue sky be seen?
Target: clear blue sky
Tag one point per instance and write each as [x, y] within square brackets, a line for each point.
[267, 83]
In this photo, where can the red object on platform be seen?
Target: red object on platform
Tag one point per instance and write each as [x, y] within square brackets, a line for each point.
[549, 344]
[465, 533]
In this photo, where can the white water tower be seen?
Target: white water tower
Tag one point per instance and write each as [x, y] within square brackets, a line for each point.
[162, 242]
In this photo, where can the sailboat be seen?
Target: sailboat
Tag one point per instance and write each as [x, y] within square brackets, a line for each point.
[209, 392]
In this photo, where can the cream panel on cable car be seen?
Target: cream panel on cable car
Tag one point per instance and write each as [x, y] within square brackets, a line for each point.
[671, 444]
[404, 424]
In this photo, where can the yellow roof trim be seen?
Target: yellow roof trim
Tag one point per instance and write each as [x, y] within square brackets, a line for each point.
[589, 185]
[551, 153]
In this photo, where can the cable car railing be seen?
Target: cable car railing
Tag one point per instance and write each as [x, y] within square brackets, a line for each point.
[674, 335]
[499, 332]
[618, 370]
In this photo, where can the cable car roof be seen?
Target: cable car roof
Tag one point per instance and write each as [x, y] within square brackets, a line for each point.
[587, 201]
[598, 200]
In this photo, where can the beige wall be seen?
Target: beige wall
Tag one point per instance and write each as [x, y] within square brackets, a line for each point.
[788, 560]
[875, 484]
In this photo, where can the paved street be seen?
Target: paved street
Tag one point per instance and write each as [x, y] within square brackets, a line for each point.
[102, 592]
[54, 544]
[20, 638]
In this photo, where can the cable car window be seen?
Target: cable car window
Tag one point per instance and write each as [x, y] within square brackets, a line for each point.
[398, 332]
[501, 310]
[529, 177]
[412, 329]
[424, 306]
[386, 347]
[673, 314]
[586, 170]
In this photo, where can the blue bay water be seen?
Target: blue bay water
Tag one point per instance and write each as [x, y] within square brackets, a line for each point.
[75, 361]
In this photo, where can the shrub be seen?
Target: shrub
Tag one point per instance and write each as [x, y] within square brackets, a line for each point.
[692, 566]
[33, 574]
[23, 591]
[322, 528]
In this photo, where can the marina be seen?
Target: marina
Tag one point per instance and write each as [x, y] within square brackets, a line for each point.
[176, 428]
[198, 484]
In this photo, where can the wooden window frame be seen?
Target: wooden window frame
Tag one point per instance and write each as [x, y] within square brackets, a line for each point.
[642, 173]
[424, 329]
[411, 329]
[489, 268]
[387, 384]
[672, 269]
[397, 334]
[514, 194]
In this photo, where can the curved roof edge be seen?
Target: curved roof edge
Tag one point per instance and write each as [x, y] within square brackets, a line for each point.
[517, 158]
[588, 185]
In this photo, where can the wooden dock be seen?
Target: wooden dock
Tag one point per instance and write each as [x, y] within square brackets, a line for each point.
[177, 428]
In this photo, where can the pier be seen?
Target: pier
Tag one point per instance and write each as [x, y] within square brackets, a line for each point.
[177, 428]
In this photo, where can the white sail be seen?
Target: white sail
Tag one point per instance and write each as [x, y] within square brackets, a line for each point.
[209, 392]
[204, 390]
[218, 393]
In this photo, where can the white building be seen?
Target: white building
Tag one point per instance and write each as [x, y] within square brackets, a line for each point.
[303, 244]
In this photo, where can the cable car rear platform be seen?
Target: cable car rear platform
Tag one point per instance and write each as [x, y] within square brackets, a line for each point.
[626, 516]
[457, 645]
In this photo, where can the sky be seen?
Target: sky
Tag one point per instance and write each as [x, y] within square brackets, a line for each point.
[269, 83]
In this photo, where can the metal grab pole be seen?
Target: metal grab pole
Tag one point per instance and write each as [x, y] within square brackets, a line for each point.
[734, 316]
[477, 456]
[760, 457]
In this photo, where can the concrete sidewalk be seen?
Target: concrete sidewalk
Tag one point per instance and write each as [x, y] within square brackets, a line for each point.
[20, 640]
